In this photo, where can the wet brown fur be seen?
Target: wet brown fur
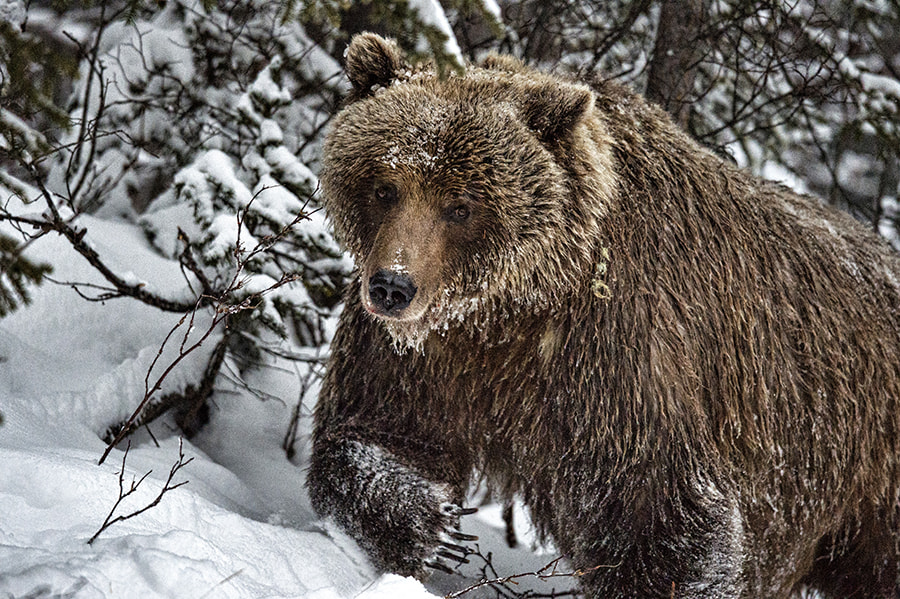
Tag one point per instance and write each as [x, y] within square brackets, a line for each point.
[689, 374]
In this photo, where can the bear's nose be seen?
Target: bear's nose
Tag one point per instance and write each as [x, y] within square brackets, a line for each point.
[390, 291]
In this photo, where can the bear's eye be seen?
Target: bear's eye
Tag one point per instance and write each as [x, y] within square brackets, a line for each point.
[386, 192]
[459, 213]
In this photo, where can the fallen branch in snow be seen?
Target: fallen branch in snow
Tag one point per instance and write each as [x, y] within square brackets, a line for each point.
[75, 237]
[220, 583]
[188, 404]
[168, 486]
[490, 578]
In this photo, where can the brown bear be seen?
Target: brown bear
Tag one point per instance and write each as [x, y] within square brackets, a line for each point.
[691, 376]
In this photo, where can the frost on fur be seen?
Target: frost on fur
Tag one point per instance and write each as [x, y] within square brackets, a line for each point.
[405, 522]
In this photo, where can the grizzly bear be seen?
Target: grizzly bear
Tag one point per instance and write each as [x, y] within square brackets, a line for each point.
[689, 375]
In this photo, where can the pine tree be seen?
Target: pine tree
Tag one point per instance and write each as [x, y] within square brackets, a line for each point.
[29, 73]
[16, 273]
[198, 123]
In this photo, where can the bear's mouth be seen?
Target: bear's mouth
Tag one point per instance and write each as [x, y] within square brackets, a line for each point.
[405, 315]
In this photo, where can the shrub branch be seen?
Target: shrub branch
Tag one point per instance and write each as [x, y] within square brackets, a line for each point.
[547, 572]
[223, 308]
[168, 486]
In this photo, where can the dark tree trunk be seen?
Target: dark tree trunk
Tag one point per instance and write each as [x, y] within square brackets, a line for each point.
[676, 55]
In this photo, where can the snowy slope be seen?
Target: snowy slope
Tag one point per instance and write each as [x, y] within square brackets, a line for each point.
[240, 527]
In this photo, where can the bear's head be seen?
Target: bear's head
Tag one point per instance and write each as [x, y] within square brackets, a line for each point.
[463, 193]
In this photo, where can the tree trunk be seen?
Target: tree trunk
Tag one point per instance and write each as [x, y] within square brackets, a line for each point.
[677, 53]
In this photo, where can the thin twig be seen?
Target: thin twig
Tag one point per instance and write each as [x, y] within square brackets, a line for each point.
[293, 431]
[149, 391]
[168, 486]
[55, 222]
[545, 573]
[223, 309]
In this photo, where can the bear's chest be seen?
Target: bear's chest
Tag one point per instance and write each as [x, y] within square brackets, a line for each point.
[513, 400]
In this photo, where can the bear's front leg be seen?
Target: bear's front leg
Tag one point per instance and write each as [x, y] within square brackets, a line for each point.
[403, 520]
[684, 542]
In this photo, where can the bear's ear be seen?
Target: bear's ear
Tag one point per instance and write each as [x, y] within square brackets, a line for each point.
[553, 109]
[372, 61]
[501, 62]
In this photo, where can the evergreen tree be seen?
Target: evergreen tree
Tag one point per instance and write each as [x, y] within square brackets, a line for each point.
[16, 273]
[28, 72]
[198, 123]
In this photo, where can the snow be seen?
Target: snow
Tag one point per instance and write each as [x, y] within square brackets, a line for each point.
[767, 169]
[392, 586]
[431, 12]
[12, 12]
[266, 90]
[775, 172]
[881, 92]
[857, 171]
[288, 167]
[493, 9]
[240, 527]
[887, 225]
[270, 133]
[71, 368]
[10, 121]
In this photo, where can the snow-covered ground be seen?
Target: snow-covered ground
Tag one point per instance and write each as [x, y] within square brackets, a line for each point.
[241, 527]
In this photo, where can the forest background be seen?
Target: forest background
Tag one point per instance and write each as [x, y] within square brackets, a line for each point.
[168, 284]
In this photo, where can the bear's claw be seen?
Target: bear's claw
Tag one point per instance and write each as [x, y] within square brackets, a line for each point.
[454, 547]
[450, 555]
[436, 564]
[461, 536]
[451, 509]
[451, 541]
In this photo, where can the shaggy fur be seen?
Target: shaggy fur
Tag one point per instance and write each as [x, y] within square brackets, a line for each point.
[690, 375]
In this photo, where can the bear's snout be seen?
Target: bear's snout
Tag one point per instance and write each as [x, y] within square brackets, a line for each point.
[390, 292]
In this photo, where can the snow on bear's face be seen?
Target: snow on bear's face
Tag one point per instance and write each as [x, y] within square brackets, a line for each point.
[445, 191]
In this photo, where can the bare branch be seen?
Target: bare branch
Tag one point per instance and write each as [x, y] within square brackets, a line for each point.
[223, 308]
[547, 572]
[186, 258]
[612, 38]
[168, 486]
[149, 391]
[55, 222]
[290, 437]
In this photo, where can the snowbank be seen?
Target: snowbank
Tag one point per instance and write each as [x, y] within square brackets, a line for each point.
[241, 527]
[68, 369]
